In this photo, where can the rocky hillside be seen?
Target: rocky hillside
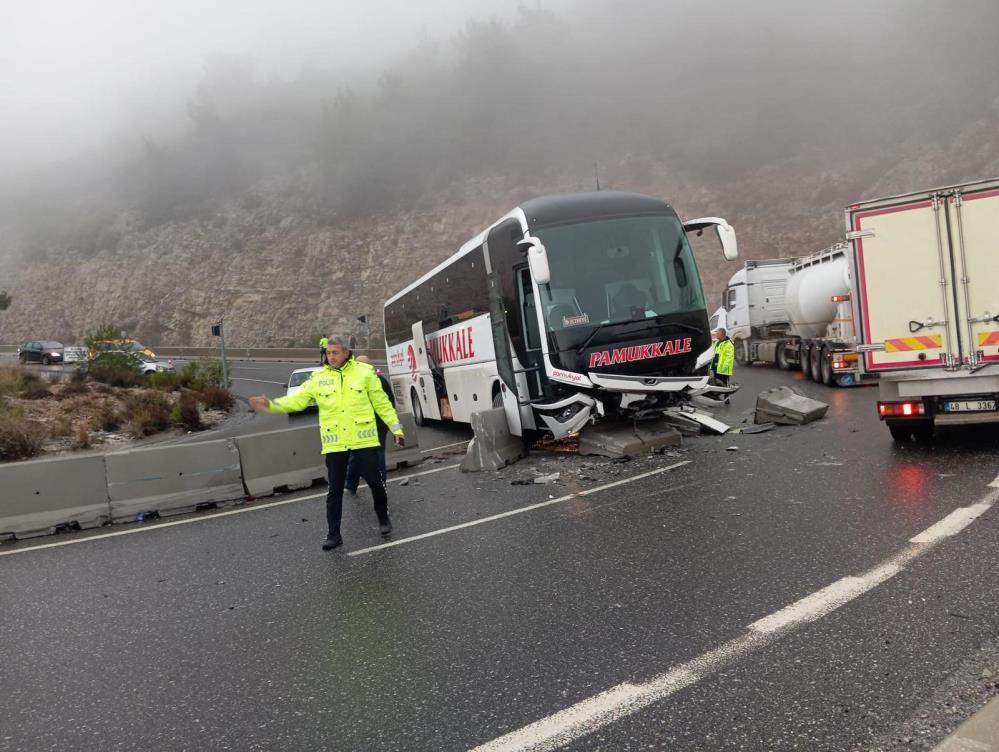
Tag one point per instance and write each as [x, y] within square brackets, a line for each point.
[278, 275]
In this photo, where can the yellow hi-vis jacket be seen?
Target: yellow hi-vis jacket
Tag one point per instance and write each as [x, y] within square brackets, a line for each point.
[725, 354]
[348, 398]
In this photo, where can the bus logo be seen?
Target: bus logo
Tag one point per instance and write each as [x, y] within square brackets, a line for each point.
[640, 352]
[411, 356]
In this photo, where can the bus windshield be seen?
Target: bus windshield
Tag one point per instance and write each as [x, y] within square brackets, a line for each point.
[613, 271]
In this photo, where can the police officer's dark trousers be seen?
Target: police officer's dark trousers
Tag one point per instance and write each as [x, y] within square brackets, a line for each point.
[336, 473]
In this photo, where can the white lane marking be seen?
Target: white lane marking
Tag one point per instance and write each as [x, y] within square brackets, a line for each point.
[585, 717]
[205, 517]
[260, 381]
[444, 446]
[519, 510]
[994, 483]
[952, 524]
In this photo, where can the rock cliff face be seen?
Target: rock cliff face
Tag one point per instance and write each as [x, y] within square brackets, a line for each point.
[278, 275]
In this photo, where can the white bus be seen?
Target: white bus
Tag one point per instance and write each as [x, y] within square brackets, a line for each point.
[566, 309]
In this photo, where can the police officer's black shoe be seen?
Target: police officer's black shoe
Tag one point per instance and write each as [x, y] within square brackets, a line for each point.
[385, 526]
[332, 542]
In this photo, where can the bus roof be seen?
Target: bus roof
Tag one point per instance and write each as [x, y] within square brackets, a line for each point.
[557, 209]
[576, 207]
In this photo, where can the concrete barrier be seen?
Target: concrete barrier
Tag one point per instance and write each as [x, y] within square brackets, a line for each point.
[620, 438]
[289, 458]
[409, 455]
[493, 445]
[173, 479]
[787, 406]
[37, 496]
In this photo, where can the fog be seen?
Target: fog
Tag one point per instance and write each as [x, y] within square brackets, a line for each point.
[75, 73]
[169, 107]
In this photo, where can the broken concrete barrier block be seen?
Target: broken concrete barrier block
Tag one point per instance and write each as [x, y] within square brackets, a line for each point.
[493, 446]
[611, 439]
[786, 406]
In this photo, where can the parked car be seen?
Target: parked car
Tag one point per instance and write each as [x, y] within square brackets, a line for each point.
[298, 377]
[40, 351]
[151, 365]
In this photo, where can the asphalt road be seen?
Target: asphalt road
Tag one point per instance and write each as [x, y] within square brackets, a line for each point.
[814, 588]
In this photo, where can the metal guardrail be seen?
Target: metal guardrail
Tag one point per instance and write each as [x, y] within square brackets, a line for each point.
[305, 354]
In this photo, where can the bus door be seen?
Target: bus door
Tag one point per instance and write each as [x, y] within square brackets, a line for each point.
[424, 381]
[528, 312]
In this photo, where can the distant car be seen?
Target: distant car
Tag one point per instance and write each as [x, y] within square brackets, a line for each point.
[40, 351]
[298, 377]
[151, 365]
[120, 345]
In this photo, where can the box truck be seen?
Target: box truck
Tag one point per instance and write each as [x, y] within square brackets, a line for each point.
[927, 276]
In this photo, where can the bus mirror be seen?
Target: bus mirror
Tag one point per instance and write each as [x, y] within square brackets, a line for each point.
[726, 233]
[537, 259]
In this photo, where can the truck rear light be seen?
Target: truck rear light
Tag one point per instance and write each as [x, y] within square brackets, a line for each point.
[901, 409]
[840, 298]
[839, 365]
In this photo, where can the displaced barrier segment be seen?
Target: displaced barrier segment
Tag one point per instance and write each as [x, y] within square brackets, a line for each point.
[621, 439]
[493, 446]
[38, 496]
[289, 458]
[787, 406]
[173, 479]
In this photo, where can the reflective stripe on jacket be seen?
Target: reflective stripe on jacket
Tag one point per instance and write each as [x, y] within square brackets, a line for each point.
[348, 399]
[725, 350]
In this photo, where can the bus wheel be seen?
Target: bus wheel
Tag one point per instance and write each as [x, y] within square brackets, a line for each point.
[417, 409]
[828, 377]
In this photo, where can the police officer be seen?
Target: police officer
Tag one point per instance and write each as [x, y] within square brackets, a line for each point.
[349, 396]
[353, 473]
[323, 341]
[724, 361]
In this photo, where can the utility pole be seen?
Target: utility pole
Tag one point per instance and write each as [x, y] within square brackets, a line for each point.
[219, 331]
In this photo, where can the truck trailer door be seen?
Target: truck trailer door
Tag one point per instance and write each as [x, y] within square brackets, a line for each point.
[973, 221]
[905, 283]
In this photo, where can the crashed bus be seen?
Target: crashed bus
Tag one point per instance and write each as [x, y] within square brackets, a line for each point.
[567, 309]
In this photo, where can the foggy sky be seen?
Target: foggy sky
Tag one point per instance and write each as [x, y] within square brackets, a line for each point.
[75, 73]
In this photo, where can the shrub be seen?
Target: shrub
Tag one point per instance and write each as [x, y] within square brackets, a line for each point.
[217, 398]
[147, 412]
[74, 388]
[19, 438]
[120, 376]
[82, 440]
[107, 418]
[186, 414]
[12, 380]
[78, 376]
[143, 423]
[35, 390]
[61, 426]
[165, 381]
[199, 374]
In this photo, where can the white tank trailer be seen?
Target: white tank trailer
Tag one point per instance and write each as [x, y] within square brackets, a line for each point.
[796, 313]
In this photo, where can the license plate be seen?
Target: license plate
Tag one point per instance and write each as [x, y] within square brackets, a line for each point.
[970, 406]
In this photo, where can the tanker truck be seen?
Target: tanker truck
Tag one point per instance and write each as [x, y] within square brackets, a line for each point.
[796, 313]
